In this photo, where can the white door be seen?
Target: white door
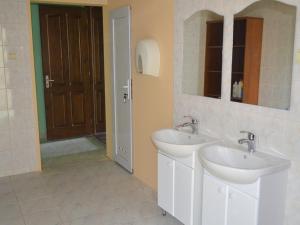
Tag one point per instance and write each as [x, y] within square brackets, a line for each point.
[242, 208]
[214, 202]
[121, 83]
[183, 193]
[165, 183]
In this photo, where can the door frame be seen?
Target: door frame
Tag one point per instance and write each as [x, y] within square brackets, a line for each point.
[124, 9]
[98, 3]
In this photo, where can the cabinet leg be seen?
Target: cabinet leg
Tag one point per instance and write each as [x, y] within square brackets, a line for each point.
[163, 212]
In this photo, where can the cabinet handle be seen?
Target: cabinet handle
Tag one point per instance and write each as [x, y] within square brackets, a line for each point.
[221, 190]
[231, 195]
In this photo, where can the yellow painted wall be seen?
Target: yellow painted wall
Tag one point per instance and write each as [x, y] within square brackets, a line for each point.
[152, 97]
[73, 2]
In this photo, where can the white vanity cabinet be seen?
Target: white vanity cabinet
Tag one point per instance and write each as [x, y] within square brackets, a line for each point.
[259, 203]
[225, 205]
[176, 192]
[165, 183]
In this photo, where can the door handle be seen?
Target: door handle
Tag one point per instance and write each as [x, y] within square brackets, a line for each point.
[127, 91]
[125, 97]
[48, 81]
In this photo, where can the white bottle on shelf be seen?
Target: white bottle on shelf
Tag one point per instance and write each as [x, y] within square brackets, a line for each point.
[235, 90]
[240, 89]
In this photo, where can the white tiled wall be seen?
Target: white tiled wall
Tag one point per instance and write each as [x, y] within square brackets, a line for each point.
[17, 121]
[277, 130]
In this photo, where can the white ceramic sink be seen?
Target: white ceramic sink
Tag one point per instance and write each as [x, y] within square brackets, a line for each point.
[237, 165]
[179, 143]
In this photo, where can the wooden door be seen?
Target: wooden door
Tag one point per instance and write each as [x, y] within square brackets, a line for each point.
[96, 34]
[66, 62]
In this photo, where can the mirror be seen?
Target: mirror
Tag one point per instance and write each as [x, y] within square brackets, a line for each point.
[202, 54]
[262, 59]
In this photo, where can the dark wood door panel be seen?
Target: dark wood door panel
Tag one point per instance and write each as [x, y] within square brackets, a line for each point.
[78, 47]
[66, 57]
[59, 116]
[77, 107]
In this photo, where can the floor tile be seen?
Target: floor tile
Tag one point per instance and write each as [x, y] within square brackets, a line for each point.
[47, 217]
[40, 204]
[10, 212]
[16, 221]
[82, 189]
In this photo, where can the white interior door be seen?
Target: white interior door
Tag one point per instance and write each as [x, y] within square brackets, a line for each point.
[121, 81]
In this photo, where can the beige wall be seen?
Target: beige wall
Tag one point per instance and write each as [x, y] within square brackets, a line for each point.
[152, 97]
[73, 2]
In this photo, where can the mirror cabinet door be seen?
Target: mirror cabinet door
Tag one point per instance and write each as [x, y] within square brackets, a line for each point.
[202, 49]
[262, 59]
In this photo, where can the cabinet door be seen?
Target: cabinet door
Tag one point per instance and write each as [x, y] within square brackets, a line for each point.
[165, 183]
[242, 209]
[183, 193]
[214, 202]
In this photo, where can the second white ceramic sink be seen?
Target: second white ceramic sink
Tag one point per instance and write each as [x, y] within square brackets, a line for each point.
[178, 143]
[237, 165]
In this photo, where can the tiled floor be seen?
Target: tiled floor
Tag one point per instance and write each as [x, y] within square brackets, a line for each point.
[71, 146]
[82, 189]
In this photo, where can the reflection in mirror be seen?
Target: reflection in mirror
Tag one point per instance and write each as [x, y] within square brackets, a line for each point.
[202, 54]
[263, 49]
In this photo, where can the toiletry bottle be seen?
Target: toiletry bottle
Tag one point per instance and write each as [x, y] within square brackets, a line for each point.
[238, 90]
[241, 88]
[234, 89]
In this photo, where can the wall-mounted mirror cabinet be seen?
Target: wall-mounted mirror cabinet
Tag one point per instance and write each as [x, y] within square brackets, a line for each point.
[202, 54]
[262, 59]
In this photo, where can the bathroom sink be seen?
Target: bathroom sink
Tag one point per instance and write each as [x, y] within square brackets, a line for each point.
[179, 143]
[235, 164]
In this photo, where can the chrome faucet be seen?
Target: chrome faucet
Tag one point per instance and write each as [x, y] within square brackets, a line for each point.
[251, 141]
[193, 124]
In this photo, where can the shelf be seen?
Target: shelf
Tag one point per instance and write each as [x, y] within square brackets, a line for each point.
[239, 46]
[215, 46]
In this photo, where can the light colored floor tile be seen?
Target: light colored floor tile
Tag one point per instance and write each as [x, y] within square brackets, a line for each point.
[5, 188]
[47, 217]
[82, 189]
[9, 212]
[71, 146]
[16, 221]
[8, 198]
[158, 220]
[40, 204]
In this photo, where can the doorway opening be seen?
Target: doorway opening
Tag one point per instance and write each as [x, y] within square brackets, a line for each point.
[69, 68]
